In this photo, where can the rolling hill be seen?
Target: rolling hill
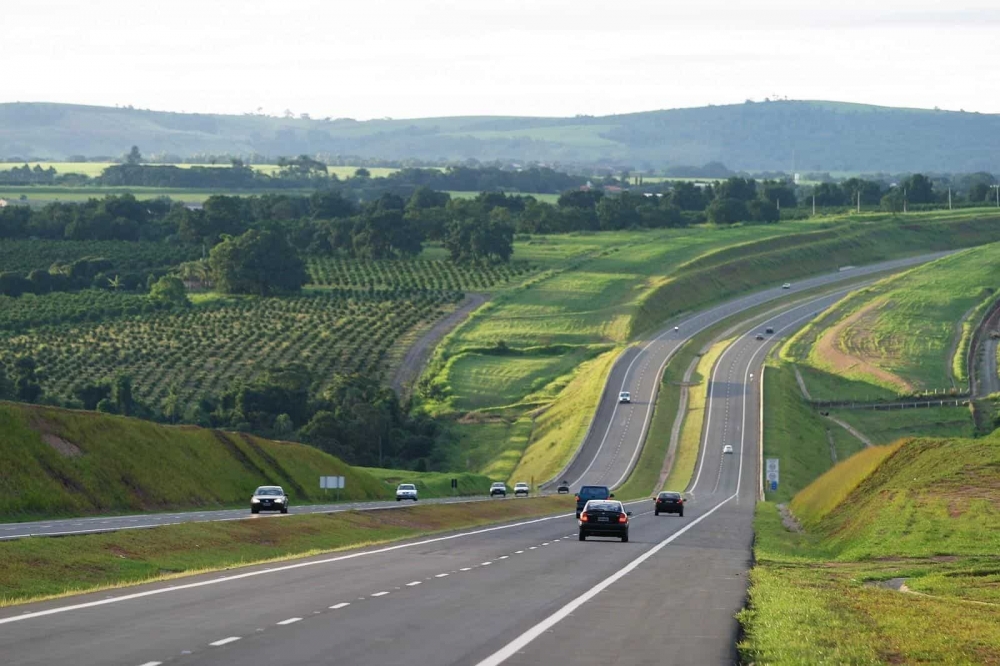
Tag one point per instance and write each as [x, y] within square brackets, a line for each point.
[778, 135]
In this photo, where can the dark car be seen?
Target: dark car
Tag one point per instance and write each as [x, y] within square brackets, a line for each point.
[604, 518]
[588, 493]
[563, 488]
[760, 336]
[669, 502]
[769, 330]
[269, 498]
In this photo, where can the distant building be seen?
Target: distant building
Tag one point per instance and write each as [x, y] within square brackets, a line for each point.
[3, 203]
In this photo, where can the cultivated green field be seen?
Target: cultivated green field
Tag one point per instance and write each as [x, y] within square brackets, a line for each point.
[94, 169]
[924, 511]
[63, 462]
[205, 348]
[902, 334]
[43, 194]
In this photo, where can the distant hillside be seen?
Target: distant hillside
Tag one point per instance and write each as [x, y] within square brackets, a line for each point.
[781, 135]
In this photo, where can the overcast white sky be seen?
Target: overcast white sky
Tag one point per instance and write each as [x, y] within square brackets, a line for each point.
[414, 58]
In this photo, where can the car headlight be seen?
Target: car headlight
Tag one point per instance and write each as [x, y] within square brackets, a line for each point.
[254, 500]
[279, 499]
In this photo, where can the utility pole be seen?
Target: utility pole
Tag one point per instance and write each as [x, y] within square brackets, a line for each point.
[997, 188]
[949, 197]
[904, 199]
[859, 201]
[814, 205]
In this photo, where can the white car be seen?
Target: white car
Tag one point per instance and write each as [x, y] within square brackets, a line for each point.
[406, 491]
[787, 285]
[498, 488]
[269, 498]
[624, 397]
[521, 488]
[728, 448]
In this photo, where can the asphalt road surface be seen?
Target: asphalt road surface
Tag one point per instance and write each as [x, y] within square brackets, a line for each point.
[67, 526]
[612, 445]
[523, 593]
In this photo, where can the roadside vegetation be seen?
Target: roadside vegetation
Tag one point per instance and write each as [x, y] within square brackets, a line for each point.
[47, 567]
[896, 561]
[906, 334]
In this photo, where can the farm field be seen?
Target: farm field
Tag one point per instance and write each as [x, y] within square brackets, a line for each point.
[922, 514]
[412, 274]
[902, 333]
[39, 195]
[23, 256]
[94, 169]
[206, 348]
[547, 198]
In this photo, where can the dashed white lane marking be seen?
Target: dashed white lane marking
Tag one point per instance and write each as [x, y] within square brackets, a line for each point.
[414, 583]
[291, 620]
[224, 641]
[344, 604]
[532, 547]
[546, 543]
[440, 575]
[380, 594]
[518, 552]
[485, 564]
[152, 663]
[466, 569]
[503, 557]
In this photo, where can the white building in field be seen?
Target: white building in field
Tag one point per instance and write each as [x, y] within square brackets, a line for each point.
[3, 203]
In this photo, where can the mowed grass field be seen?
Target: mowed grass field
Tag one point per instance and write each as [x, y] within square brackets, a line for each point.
[923, 513]
[903, 333]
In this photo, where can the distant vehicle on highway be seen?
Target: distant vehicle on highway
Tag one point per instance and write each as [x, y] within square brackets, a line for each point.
[521, 488]
[588, 493]
[668, 502]
[769, 330]
[563, 488]
[406, 491]
[604, 518]
[498, 488]
[624, 396]
[728, 448]
[760, 336]
[677, 328]
[269, 498]
[787, 285]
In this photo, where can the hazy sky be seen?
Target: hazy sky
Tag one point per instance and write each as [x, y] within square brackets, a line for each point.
[412, 58]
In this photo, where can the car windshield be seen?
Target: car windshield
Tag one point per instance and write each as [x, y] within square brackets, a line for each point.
[670, 495]
[522, 485]
[604, 506]
[268, 491]
[407, 486]
[498, 485]
[595, 492]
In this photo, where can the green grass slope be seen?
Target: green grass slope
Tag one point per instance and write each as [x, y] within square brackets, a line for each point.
[908, 330]
[62, 462]
[924, 512]
[823, 135]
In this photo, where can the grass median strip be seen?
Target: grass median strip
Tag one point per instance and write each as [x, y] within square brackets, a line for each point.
[42, 568]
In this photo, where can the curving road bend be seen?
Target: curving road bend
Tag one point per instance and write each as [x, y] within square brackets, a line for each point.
[612, 446]
[522, 593]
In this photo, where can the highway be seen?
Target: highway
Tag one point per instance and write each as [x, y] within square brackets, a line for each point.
[522, 593]
[614, 441]
[92, 525]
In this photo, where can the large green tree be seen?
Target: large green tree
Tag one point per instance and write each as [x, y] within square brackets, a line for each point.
[260, 262]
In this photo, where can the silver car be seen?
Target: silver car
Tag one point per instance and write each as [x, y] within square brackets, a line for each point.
[269, 498]
[406, 491]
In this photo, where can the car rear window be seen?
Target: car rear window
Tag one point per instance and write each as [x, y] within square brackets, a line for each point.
[604, 506]
[406, 486]
[594, 492]
[670, 495]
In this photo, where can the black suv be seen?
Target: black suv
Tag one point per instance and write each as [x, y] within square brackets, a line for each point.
[668, 502]
[588, 493]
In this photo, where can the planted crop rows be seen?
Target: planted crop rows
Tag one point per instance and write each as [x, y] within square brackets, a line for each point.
[23, 256]
[422, 274]
[205, 349]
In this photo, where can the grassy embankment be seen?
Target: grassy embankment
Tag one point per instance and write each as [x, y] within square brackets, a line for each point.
[433, 484]
[561, 330]
[61, 462]
[38, 568]
[923, 510]
[908, 333]
[578, 308]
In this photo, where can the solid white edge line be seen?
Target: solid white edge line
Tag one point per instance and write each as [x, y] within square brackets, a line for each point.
[224, 641]
[291, 620]
[519, 643]
[261, 572]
